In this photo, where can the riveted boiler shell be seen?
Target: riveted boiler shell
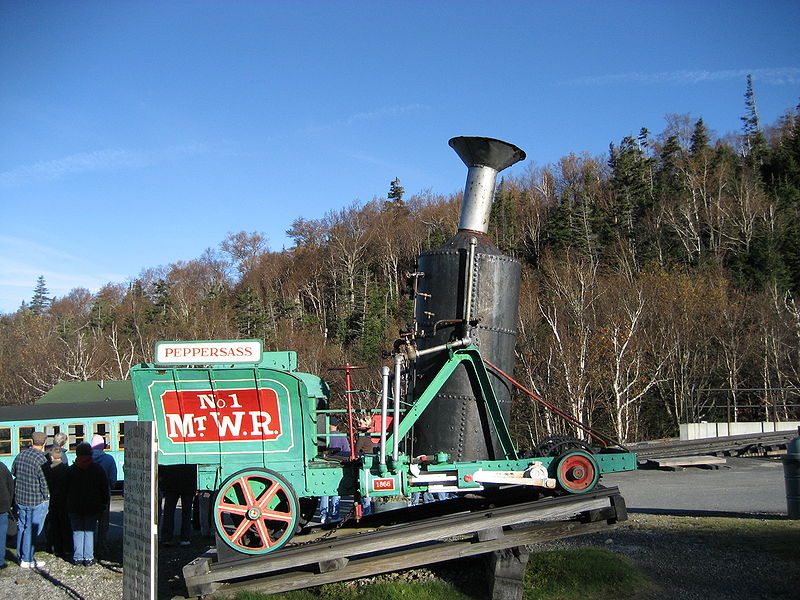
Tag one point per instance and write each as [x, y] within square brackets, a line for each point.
[456, 422]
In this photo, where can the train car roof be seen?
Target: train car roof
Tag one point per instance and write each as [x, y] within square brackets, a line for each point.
[88, 391]
[72, 410]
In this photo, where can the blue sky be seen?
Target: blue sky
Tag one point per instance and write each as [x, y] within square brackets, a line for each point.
[138, 134]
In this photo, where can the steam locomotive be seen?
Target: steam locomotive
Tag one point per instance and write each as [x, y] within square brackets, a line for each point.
[251, 422]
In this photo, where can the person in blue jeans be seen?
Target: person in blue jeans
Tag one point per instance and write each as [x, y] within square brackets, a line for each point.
[87, 498]
[6, 498]
[106, 462]
[32, 497]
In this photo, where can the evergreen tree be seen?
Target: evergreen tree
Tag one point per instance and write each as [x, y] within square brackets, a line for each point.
[249, 315]
[503, 220]
[700, 139]
[784, 184]
[668, 177]
[396, 192]
[372, 325]
[632, 187]
[755, 144]
[40, 303]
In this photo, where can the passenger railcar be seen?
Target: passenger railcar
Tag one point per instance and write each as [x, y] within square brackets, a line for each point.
[79, 420]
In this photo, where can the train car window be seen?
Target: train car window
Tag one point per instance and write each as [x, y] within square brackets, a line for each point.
[103, 429]
[77, 435]
[50, 431]
[5, 441]
[25, 435]
[121, 435]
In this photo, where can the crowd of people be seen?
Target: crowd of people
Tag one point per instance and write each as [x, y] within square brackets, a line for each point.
[65, 502]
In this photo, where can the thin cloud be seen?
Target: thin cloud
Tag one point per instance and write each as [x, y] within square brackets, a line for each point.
[23, 261]
[386, 112]
[373, 160]
[18, 280]
[10, 245]
[383, 113]
[782, 76]
[100, 160]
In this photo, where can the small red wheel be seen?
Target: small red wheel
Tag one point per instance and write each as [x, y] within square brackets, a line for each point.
[256, 511]
[576, 472]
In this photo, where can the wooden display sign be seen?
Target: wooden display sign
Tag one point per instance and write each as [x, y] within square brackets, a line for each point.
[139, 554]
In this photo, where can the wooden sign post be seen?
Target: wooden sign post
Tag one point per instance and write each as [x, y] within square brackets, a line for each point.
[140, 550]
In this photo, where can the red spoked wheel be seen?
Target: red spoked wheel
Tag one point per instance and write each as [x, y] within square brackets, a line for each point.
[256, 511]
[576, 472]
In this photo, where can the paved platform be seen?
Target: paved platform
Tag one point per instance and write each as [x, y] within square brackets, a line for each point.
[743, 486]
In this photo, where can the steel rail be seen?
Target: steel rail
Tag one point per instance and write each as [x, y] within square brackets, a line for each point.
[731, 443]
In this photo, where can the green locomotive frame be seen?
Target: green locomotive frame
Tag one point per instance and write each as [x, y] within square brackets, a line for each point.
[252, 430]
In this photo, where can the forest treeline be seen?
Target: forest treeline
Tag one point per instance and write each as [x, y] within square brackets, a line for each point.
[659, 281]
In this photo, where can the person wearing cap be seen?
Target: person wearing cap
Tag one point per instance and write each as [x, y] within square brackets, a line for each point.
[106, 462]
[32, 497]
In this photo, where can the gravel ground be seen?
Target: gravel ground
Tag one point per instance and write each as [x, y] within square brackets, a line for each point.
[701, 558]
[686, 558]
[59, 579]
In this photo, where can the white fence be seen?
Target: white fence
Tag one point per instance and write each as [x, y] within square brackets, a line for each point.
[696, 431]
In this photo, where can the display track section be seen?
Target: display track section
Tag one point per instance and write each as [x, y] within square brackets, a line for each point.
[734, 445]
[353, 554]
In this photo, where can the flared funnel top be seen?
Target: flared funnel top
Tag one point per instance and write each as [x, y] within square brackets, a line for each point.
[486, 152]
[485, 157]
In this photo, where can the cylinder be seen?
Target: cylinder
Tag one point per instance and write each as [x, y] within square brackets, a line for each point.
[456, 422]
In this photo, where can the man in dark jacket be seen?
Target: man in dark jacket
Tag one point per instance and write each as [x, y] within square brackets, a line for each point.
[6, 498]
[87, 498]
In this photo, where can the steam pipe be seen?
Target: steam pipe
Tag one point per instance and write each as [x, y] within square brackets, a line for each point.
[461, 343]
[384, 409]
[398, 369]
[470, 275]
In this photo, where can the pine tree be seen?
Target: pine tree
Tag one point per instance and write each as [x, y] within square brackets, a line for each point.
[40, 303]
[784, 184]
[249, 315]
[755, 144]
[632, 184]
[396, 191]
[700, 139]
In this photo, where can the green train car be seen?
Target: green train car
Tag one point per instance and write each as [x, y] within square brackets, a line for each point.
[80, 409]
[251, 423]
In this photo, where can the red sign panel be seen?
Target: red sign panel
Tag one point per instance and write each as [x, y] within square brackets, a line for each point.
[243, 415]
[382, 485]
